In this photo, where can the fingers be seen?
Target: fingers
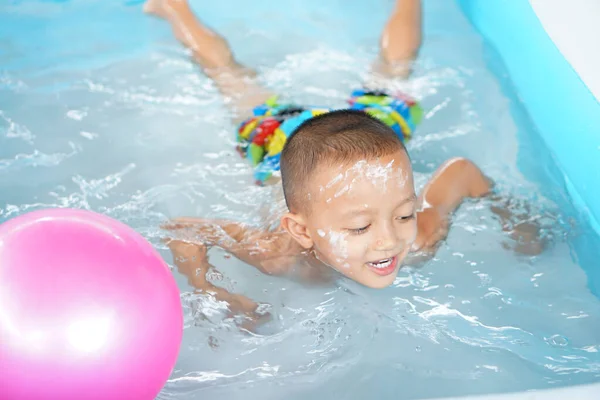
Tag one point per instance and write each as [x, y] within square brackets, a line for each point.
[251, 324]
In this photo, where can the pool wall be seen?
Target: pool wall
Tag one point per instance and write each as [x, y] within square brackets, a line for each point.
[561, 105]
[549, 48]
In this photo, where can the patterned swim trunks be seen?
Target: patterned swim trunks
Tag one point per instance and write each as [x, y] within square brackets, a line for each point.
[261, 137]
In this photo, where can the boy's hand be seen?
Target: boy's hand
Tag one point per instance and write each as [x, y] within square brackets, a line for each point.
[186, 250]
[192, 261]
[248, 309]
[524, 230]
[527, 238]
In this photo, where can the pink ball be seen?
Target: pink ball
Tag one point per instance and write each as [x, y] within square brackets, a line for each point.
[88, 310]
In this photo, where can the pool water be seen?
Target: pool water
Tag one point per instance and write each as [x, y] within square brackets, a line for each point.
[100, 108]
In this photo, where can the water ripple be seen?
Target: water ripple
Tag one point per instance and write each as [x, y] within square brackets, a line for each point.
[37, 159]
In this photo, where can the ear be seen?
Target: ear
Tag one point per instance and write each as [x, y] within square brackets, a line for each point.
[295, 225]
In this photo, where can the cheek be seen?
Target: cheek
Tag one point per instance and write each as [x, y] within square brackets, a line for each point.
[359, 245]
[406, 232]
[410, 231]
[341, 249]
[356, 249]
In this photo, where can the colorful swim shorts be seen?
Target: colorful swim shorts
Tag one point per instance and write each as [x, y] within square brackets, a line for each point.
[261, 137]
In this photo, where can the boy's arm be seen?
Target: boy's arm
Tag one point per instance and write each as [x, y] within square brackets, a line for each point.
[273, 253]
[191, 261]
[454, 181]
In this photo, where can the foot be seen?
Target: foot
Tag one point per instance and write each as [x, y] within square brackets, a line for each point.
[158, 8]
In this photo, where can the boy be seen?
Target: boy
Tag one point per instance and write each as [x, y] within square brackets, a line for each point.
[346, 175]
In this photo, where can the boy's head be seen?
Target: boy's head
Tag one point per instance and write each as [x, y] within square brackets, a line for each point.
[348, 184]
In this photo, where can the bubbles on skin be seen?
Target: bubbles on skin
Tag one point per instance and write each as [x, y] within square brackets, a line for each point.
[335, 180]
[339, 245]
[341, 191]
[321, 232]
[401, 178]
[377, 173]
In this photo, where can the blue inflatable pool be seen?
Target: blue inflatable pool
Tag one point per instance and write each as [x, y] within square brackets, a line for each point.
[559, 102]
[548, 49]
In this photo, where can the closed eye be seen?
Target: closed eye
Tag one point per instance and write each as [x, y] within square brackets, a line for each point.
[406, 217]
[359, 231]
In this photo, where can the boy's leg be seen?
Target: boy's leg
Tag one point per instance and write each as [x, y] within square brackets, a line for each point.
[400, 40]
[212, 53]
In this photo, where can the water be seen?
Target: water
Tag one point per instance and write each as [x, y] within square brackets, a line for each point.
[100, 108]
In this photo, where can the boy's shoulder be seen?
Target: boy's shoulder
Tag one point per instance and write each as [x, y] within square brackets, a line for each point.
[278, 252]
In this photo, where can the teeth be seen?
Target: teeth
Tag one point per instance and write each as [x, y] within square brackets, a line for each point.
[381, 264]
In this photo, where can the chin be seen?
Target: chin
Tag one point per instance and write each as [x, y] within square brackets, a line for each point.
[380, 282]
[371, 280]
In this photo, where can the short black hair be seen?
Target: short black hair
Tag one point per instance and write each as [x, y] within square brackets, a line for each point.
[336, 137]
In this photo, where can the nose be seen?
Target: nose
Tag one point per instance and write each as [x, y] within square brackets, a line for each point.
[386, 239]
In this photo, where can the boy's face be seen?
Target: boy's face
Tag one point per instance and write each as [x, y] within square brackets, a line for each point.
[362, 217]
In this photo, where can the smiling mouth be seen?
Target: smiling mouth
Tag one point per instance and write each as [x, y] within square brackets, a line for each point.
[381, 263]
[383, 267]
